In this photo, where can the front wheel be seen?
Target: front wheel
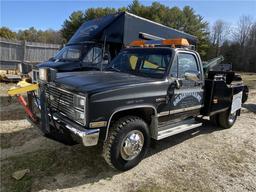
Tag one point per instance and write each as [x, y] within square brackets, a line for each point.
[127, 143]
[227, 119]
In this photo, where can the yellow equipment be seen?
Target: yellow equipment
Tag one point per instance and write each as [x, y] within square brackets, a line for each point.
[22, 87]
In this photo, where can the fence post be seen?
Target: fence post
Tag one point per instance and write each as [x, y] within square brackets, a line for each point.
[23, 56]
[24, 51]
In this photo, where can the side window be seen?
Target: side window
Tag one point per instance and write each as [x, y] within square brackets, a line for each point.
[89, 56]
[94, 55]
[186, 63]
[174, 68]
[97, 56]
[73, 53]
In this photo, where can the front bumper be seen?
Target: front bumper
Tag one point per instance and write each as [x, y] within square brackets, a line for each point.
[58, 127]
[67, 132]
[88, 137]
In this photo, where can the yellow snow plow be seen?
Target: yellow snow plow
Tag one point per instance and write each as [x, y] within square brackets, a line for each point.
[22, 87]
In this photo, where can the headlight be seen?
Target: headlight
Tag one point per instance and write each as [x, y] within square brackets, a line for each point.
[43, 74]
[79, 102]
[47, 74]
[80, 108]
[80, 117]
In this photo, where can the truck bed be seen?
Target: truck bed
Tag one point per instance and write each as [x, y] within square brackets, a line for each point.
[220, 88]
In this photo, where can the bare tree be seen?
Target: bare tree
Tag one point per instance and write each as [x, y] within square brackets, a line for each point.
[220, 30]
[252, 35]
[242, 35]
[242, 31]
[251, 47]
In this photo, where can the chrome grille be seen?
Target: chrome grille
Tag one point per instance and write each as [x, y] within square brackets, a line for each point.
[61, 101]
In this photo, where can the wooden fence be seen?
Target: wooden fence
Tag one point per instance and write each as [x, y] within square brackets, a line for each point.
[14, 52]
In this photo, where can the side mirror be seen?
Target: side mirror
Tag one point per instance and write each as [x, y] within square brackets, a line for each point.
[105, 57]
[177, 84]
[191, 76]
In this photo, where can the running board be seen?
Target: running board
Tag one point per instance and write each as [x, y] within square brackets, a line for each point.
[178, 129]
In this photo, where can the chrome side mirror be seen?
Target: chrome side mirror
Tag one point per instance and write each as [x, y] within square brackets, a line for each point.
[177, 84]
[191, 76]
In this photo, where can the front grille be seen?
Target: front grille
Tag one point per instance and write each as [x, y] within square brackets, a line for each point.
[61, 101]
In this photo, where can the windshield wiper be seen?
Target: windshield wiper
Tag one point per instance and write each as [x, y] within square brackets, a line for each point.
[52, 59]
[66, 59]
[113, 69]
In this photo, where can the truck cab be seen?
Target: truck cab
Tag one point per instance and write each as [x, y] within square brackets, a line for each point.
[151, 90]
[76, 57]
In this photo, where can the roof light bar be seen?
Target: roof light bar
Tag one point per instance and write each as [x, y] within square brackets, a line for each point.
[137, 43]
[169, 42]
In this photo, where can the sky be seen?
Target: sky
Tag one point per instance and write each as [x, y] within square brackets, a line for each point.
[20, 14]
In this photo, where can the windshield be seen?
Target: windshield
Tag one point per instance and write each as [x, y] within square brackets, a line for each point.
[69, 53]
[144, 62]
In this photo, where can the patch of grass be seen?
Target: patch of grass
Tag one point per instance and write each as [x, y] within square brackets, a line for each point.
[45, 164]
[249, 79]
[37, 162]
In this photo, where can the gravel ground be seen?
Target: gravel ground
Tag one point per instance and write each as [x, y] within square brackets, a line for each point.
[203, 159]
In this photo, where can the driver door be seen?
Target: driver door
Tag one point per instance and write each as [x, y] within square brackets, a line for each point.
[185, 92]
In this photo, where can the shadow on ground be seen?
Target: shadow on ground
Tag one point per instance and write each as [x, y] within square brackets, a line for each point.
[65, 166]
[17, 138]
[10, 109]
[251, 107]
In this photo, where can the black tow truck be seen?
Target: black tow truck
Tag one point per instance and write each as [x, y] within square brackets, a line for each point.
[92, 47]
[151, 90]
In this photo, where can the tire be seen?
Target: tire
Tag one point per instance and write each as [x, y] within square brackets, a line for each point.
[116, 148]
[214, 120]
[226, 119]
[245, 94]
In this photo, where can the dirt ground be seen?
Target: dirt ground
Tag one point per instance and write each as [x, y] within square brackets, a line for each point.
[203, 159]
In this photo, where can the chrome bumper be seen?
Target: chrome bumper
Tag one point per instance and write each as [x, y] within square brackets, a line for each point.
[88, 137]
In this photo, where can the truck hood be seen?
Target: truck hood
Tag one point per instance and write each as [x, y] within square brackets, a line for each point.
[96, 81]
[61, 66]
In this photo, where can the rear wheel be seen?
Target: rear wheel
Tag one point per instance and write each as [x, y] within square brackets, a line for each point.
[127, 143]
[227, 119]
